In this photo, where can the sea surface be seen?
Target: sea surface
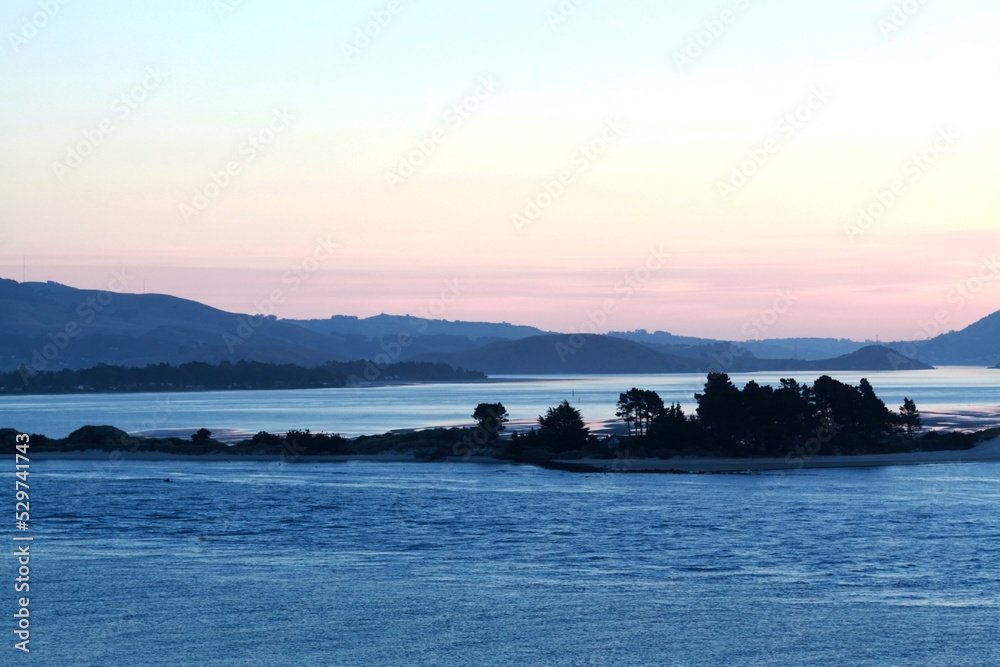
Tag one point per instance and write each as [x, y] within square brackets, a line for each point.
[961, 393]
[360, 563]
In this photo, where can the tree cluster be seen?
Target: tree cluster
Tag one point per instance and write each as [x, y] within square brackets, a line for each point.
[638, 407]
[773, 421]
[827, 417]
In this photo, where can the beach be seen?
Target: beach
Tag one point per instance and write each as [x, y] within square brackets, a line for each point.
[988, 451]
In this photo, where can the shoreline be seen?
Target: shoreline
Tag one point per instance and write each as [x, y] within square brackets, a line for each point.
[984, 452]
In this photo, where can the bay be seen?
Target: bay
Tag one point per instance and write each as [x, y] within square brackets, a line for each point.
[249, 563]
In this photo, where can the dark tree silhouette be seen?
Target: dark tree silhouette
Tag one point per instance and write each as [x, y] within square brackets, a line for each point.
[720, 411]
[671, 429]
[638, 406]
[909, 417]
[201, 437]
[650, 405]
[562, 428]
[627, 408]
[491, 418]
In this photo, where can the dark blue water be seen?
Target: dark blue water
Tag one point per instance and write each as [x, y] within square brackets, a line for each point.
[249, 563]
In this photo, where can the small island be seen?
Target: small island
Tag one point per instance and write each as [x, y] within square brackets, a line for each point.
[826, 424]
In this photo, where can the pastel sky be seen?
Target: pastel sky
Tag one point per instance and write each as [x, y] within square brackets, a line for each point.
[714, 158]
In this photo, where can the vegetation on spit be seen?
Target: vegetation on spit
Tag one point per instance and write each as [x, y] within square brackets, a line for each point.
[792, 420]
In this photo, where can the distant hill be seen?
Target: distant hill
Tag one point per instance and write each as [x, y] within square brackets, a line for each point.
[141, 329]
[663, 338]
[65, 327]
[565, 354]
[384, 325]
[870, 358]
[595, 354]
[976, 345]
[808, 349]
[55, 326]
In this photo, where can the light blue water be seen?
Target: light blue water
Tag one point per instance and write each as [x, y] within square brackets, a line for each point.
[353, 412]
[248, 563]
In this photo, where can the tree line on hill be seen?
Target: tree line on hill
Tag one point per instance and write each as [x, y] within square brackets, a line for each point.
[226, 375]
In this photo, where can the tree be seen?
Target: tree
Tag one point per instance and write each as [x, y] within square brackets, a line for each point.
[491, 418]
[563, 428]
[875, 417]
[860, 417]
[760, 428]
[720, 411]
[909, 417]
[201, 437]
[650, 405]
[671, 429]
[639, 407]
[627, 408]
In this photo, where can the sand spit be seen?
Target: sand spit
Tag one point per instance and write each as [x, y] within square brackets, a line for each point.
[984, 452]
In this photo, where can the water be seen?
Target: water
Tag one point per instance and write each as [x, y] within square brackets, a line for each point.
[353, 412]
[249, 563]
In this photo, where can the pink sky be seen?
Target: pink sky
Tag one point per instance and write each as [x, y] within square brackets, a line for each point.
[207, 154]
[877, 290]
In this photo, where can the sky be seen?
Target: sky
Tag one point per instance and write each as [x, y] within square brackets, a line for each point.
[735, 169]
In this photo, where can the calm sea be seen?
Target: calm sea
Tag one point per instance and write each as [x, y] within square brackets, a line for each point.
[250, 563]
[353, 412]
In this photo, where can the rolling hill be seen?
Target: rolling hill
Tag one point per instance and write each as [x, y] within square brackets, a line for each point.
[559, 354]
[53, 326]
[976, 345]
[596, 355]
[48, 326]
